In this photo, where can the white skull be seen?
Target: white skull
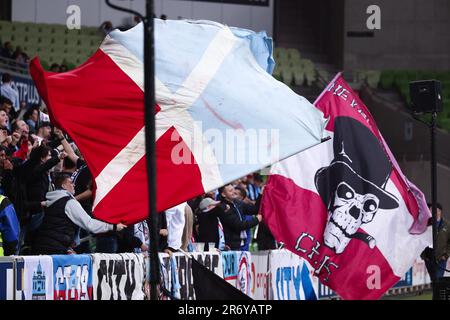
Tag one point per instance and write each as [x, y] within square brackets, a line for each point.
[347, 212]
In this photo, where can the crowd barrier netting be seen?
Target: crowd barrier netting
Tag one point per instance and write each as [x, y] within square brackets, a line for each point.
[263, 275]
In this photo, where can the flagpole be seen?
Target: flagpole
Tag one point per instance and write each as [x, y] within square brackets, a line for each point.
[434, 201]
[149, 106]
[149, 121]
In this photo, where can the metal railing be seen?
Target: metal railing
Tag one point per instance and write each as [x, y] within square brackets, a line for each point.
[13, 66]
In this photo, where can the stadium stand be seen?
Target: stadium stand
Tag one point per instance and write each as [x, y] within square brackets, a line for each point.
[52, 42]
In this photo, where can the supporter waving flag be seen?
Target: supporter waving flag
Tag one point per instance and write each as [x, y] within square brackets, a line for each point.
[345, 205]
[213, 92]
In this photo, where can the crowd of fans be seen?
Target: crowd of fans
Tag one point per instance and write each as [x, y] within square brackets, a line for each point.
[7, 51]
[46, 199]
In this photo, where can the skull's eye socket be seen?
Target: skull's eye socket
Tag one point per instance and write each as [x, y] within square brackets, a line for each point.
[370, 205]
[345, 192]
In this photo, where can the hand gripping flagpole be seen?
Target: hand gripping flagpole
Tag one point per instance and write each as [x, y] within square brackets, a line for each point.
[149, 118]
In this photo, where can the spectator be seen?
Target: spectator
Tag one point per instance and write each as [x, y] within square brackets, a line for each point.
[19, 140]
[443, 241]
[163, 231]
[436, 262]
[9, 228]
[22, 111]
[254, 184]
[4, 120]
[131, 239]
[20, 56]
[175, 225]
[208, 222]
[13, 181]
[105, 28]
[82, 180]
[247, 208]
[55, 67]
[264, 238]
[44, 132]
[36, 175]
[7, 91]
[107, 242]
[163, 17]
[3, 158]
[142, 233]
[186, 238]
[7, 51]
[63, 216]
[234, 225]
[31, 118]
[63, 67]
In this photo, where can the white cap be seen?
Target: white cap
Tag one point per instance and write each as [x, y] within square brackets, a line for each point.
[205, 203]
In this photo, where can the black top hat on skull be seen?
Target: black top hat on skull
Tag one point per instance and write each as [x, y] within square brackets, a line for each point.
[359, 161]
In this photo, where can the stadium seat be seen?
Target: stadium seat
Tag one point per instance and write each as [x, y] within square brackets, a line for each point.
[310, 76]
[287, 76]
[373, 78]
[299, 76]
[293, 54]
[5, 31]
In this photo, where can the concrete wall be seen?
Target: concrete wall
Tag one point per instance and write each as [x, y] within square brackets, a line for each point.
[409, 141]
[94, 12]
[415, 34]
[419, 173]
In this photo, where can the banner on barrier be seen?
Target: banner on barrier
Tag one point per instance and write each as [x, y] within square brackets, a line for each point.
[26, 89]
[405, 281]
[244, 277]
[6, 278]
[260, 278]
[420, 274]
[237, 270]
[291, 277]
[230, 266]
[72, 277]
[211, 260]
[325, 292]
[118, 276]
[37, 272]
[169, 275]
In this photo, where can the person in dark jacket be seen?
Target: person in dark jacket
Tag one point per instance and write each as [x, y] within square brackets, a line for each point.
[232, 219]
[264, 238]
[248, 209]
[35, 173]
[436, 262]
[208, 221]
[63, 217]
[128, 242]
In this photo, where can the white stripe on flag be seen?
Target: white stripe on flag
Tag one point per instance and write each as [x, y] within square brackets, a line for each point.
[173, 112]
[118, 167]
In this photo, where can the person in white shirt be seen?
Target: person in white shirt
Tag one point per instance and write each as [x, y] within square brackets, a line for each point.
[175, 225]
[6, 90]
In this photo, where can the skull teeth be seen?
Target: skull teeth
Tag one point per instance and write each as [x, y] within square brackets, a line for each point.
[335, 237]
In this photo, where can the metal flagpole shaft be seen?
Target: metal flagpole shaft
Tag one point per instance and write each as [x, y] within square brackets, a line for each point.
[434, 200]
[149, 105]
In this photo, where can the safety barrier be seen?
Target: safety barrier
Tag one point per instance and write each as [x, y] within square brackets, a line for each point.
[263, 275]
